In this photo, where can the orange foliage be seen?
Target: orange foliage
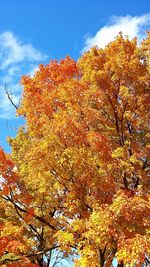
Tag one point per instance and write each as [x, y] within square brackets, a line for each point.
[78, 180]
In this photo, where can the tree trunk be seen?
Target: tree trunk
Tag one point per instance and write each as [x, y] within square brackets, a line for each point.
[101, 258]
[120, 264]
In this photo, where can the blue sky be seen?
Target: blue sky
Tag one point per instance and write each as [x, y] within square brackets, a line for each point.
[35, 31]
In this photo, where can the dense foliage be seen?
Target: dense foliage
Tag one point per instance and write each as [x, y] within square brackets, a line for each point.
[77, 181]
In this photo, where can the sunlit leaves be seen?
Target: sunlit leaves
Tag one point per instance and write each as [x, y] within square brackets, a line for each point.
[78, 179]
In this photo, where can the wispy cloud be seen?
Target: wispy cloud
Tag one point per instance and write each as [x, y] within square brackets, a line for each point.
[128, 25]
[7, 110]
[16, 58]
[14, 51]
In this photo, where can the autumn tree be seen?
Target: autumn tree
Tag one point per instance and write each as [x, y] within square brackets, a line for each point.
[78, 177]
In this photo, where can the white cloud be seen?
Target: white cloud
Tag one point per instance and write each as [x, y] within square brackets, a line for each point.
[7, 110]
[16, 59]
[33, 69]
[128, 25]
[14, 51]
[11, 72]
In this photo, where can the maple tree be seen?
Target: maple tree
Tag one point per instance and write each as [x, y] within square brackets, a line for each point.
[77, 180]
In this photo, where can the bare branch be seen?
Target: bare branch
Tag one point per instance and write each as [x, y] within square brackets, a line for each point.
[9, 96]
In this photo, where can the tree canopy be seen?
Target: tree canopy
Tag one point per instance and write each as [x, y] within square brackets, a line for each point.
[77, 181]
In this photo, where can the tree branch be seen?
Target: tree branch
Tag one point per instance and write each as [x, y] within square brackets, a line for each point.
[9, 96]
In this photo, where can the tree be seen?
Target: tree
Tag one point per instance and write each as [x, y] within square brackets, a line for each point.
[78, 177]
